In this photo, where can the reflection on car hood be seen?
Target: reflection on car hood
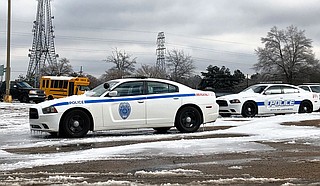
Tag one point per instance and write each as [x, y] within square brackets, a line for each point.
[240, 95]
[66, 99]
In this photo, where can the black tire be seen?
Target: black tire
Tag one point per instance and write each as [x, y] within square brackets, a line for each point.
[188, 120]
[161, 130]
[24, 98]
[249, 109]
[305, 107]
[75, 124]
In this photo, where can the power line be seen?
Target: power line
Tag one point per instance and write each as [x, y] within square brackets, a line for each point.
[95, 39]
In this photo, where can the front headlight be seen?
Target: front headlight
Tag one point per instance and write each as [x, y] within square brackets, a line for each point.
[50, 109]
[32, 92]
[235, 101]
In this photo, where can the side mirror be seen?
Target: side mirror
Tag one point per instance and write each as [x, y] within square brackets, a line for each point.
[106, 85]
[113, 93]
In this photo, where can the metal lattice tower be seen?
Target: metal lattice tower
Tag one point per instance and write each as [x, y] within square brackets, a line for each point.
[161, 52]
[43, 50]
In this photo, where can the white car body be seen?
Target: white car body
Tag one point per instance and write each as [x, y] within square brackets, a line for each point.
[127, 103]
[268, 99]
[311, 87]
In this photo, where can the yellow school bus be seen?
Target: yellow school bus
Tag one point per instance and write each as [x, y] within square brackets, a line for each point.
[63, 86]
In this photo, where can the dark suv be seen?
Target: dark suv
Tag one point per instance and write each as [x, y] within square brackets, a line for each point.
[23, 92]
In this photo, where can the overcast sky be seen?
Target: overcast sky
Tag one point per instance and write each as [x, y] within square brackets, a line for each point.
[213, 32]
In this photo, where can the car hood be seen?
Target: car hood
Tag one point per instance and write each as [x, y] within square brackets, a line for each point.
[75, 99]
[241, 95]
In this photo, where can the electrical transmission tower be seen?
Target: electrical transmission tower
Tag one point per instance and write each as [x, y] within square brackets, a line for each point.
[43, 50]
[161, 52]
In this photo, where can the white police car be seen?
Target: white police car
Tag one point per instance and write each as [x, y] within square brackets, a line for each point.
[268, 98]
[126, 103]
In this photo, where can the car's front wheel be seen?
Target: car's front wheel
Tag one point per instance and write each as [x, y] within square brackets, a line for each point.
[249, 109]
[305, 107]
[76, 123]
[24, 98]
[188, 119]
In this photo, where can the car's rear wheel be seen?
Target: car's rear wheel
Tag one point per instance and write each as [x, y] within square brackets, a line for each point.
[305, 107]
[76, 123]
[188, 119]
[249, 109]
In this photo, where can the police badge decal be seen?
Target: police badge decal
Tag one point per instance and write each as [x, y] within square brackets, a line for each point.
[124, 110]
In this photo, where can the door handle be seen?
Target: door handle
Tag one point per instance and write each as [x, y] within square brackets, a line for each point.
[175, 98]
[140, 101]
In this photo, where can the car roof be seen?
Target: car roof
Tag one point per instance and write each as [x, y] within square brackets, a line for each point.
[310, 84]
[147, 79]
[268, 84]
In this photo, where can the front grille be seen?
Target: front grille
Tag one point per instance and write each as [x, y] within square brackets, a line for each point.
[33, 113]
[222, 103]
[40, 92]
[35, 127]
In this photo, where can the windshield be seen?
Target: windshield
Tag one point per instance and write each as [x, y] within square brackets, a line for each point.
[84, 88]
[255, 89]
[24, 85]
[99, 90]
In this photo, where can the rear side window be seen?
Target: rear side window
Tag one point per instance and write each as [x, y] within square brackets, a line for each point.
[160, 88]
[289, 90]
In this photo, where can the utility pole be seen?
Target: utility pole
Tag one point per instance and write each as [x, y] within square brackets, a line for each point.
[7, 97]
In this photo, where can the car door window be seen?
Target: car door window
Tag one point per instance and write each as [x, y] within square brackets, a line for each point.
[273, 90]
[160, 88]
[129, 89]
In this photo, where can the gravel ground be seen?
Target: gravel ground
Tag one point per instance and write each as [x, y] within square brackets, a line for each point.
[289, 163]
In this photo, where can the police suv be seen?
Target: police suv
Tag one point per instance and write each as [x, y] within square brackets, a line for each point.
[126, 103]
[268, 99]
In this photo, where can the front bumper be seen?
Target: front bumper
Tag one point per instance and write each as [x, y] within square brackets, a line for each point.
[229, 109]
[37, 98]
[43, 122]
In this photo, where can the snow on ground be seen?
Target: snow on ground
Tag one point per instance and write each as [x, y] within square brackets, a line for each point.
[15, 133]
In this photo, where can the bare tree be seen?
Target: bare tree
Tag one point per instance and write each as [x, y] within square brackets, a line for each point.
[150, 71]
[286, 54]
[180, 66]
[63, 68]
[93, 81]
[124, 66]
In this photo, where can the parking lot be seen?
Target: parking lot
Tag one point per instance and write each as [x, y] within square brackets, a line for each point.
[273, 150]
